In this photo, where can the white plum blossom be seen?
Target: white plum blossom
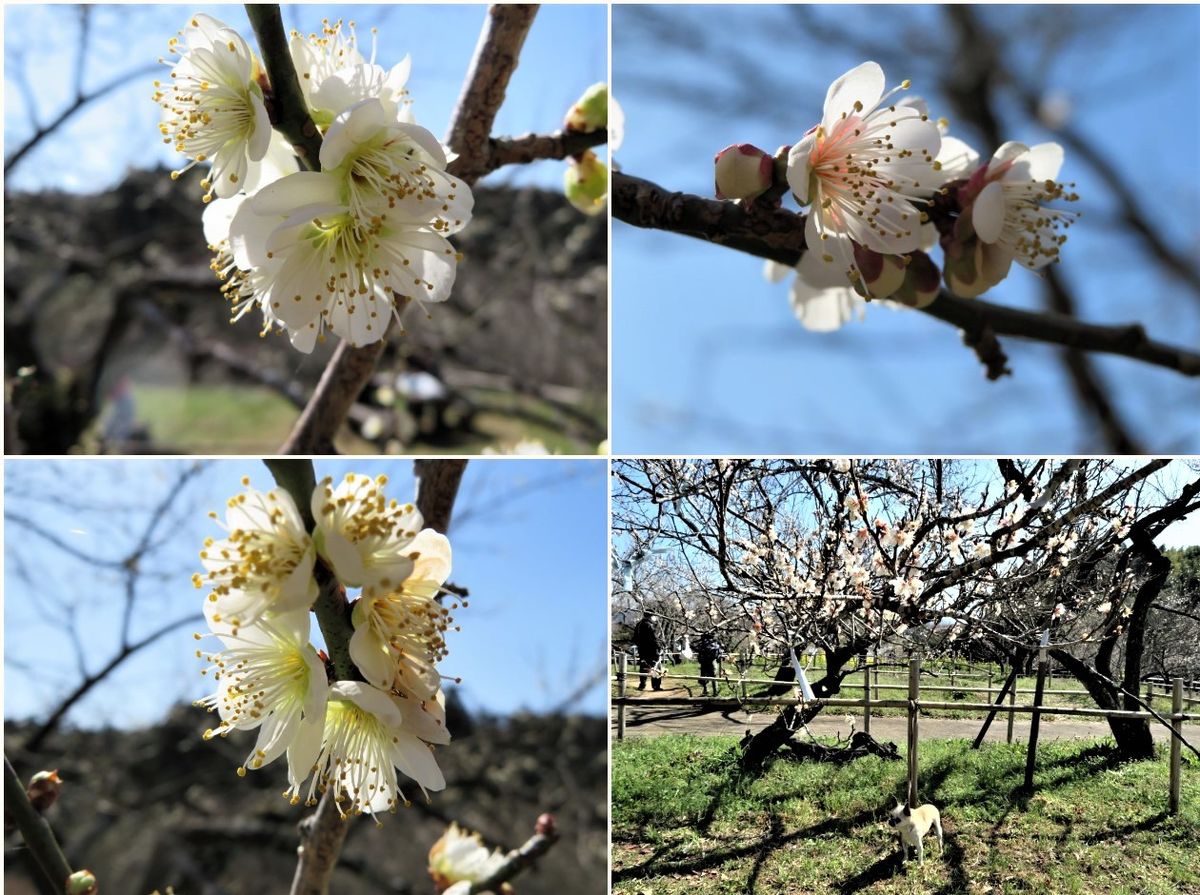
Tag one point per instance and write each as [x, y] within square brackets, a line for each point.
[334, 75]
[862, 170]
[398, 632]
[368, 734]
[460, 858]
[268, 677]
[213, 109]
[369, 540]
[348, 247]
[1007, 198]
[265, 562]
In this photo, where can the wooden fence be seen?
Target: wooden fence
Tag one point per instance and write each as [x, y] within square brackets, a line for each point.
[914, 706]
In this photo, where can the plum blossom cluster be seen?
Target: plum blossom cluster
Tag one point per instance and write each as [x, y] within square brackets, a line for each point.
[884, 184]
[343, 248]
[348, 735]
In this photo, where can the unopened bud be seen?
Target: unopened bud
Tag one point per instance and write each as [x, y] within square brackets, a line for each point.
[881, 274]
[590, 112]
[922, 281]
[81, 882]
[586, 183]
[743, 172]
[43, 789]
[546, 825]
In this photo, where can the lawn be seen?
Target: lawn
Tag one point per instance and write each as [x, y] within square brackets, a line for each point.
[220, 419]
[683, 824]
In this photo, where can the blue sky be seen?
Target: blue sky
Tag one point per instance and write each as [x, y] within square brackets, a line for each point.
[740, 375]
[529, 541]
[565, 52]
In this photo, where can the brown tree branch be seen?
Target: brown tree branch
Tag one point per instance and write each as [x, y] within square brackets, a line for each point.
[483, 90]
[437, 487]
[350, 368]
[778, 235]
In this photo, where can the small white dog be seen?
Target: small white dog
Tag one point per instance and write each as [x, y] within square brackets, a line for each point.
[912, 824]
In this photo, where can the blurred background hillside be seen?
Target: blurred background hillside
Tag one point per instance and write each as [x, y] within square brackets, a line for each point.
[118, 338]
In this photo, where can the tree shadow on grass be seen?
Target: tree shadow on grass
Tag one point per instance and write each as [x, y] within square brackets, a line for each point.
[1143, 825]
[761, 848]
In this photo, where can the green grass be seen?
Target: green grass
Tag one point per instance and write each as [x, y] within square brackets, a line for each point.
[683, 823]
[208, 419]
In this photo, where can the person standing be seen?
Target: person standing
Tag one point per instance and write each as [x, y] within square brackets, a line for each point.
[645, 638]
[708, 650]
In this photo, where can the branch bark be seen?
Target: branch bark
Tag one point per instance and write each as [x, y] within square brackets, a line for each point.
[778, 235]
[515, 861]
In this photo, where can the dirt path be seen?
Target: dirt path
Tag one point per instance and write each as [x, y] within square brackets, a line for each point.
[657, 720]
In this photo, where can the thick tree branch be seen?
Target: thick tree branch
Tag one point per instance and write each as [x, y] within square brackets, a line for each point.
[778, 235]
[483, 90]
[437, 487]
[289, 111]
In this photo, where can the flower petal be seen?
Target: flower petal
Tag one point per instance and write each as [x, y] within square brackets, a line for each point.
[863, 84]
[987, 213]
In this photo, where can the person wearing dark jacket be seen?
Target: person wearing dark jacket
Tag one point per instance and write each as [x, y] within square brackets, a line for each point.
[646, 641]
[708, 651]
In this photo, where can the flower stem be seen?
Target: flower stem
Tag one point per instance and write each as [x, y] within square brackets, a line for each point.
[34, 829]
[333, 612]
[290, 112]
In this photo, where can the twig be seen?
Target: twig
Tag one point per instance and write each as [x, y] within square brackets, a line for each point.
[779, 235]
[34, 829]
[289, 110]
[350, 368]
[503, 151]
[515, 861]
[78, 103]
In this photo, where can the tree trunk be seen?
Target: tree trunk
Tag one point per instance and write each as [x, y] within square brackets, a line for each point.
[767, 741]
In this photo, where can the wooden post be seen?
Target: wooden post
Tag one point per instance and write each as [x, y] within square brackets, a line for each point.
[1012, 700]
[914, 692]
[621, 671]
[866, 697]
[1149, 693]
[876, 678]
[1031, 754]
[1177, 726]
[989, 683]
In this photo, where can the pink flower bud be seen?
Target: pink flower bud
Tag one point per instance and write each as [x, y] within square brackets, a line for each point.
[881, 274]
[43, 789]
[546, 825]
[743, 172]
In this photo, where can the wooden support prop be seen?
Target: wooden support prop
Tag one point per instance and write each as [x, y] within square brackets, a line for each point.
[1012, 701]
[914, 692]
[866, 697]
[622, 669]
[1177, 726]
[876, 678]
[1031, 754]
[987, 722]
